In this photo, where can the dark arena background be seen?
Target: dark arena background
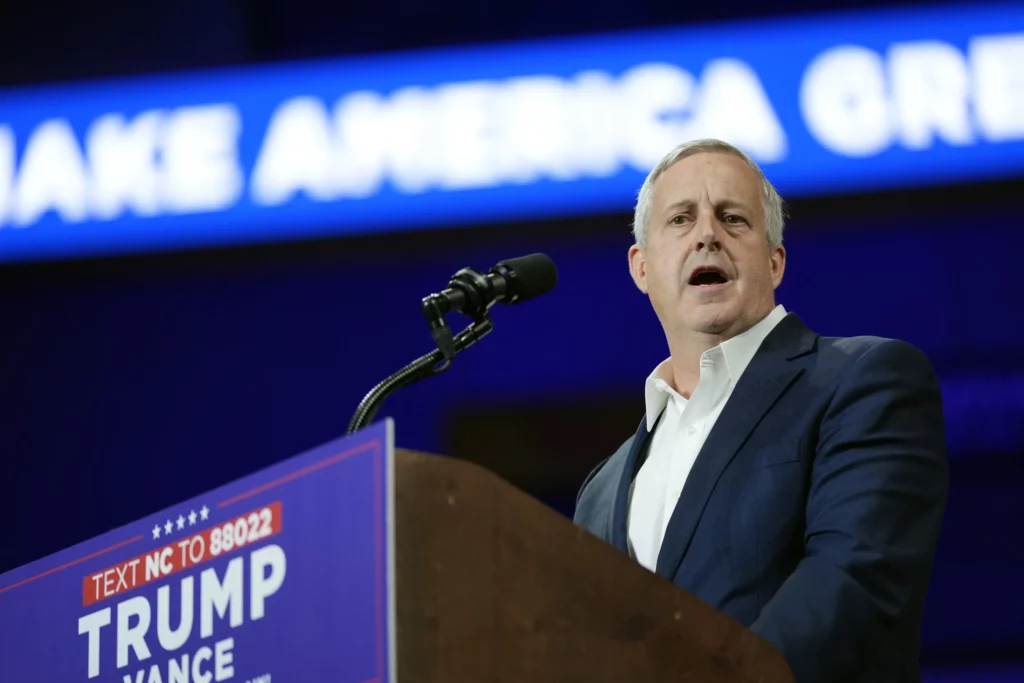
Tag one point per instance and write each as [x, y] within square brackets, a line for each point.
[168, 326]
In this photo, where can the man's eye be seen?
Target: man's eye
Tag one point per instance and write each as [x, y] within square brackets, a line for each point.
[678, 220]
[733, 219]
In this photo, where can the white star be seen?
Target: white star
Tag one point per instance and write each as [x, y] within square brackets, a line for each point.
[192, 518]
[204, 513]
[168, 527]
[181, 522]
[156, 531]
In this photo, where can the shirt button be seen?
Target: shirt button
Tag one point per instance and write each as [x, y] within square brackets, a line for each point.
[691, 431]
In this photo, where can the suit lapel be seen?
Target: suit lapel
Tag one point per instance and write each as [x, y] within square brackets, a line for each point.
[766, 378]
[620, 510]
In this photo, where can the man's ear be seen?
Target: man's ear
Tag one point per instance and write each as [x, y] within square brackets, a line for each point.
[778, 263]
[638, 267]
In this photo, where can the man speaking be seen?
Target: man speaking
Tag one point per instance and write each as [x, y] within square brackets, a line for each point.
[795, 482]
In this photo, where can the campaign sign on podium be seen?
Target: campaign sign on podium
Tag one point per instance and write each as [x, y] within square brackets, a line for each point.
[283, 576]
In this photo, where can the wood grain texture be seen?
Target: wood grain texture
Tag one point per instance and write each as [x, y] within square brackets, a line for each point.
[493, 586]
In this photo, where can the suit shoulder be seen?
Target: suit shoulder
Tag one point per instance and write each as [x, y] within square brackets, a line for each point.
[866, 348]
[853, 362]
[851, 348]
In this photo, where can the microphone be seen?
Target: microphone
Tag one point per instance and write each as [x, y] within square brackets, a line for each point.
[511, 282]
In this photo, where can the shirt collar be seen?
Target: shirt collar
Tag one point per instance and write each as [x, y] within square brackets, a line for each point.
[738, 351]
[658, 390]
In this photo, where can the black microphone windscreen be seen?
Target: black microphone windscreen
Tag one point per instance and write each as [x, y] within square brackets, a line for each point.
[529, 276]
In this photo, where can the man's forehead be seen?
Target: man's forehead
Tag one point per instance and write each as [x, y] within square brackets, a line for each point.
[722, 176]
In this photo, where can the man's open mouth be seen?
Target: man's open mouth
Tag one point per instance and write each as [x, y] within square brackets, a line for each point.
[707, 276]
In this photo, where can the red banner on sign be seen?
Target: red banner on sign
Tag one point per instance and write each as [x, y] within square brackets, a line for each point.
[188, 552]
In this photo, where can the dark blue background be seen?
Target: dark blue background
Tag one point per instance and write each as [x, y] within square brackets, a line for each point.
[129, 384]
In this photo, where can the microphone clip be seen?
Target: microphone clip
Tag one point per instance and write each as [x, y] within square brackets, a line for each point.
[433, 310]
[469, 292]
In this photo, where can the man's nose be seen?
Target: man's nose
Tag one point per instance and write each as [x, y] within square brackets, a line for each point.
[707, 234]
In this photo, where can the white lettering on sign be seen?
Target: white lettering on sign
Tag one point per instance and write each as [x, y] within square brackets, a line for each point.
[998, 82]
[178, 161]
[361, 133]
[221, 597]
[534, 132]
[132, 637]
[171, 640]
[409, 157]
[855, 101]
[296, 154]
[52, 176]
[931, 94]
[90, 625]
[648, 93]
[843, 101]
[122, 158]
[858, 103]
[480, 134]
[194, 669]
[736, 108]
[6, 172]
[201, 171]
[593, 112]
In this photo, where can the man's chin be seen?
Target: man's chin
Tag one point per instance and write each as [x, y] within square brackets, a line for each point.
[714, 319]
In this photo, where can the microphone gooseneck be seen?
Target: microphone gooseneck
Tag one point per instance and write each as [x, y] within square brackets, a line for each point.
[428, 365]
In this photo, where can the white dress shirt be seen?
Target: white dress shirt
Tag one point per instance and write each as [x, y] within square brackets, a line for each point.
[681, 433]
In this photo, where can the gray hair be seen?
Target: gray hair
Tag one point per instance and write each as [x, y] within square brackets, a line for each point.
[772, 204]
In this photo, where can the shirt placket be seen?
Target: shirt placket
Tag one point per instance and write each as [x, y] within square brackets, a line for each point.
[681, 456]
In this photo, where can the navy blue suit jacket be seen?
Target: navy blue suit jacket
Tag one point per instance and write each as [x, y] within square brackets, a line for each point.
[812, 512]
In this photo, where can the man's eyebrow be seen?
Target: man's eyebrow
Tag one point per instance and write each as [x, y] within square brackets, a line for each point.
[682, 204]
[722, 204]
[732, 204]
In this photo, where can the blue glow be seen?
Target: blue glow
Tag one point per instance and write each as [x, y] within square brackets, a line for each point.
[937, 104]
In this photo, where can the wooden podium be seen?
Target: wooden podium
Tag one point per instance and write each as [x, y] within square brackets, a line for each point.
[493, 586]
[357, 563]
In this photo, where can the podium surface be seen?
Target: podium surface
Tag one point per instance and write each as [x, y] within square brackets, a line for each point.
[492, 585]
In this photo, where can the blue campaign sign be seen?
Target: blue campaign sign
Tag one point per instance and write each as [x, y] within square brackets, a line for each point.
[866, 100]
[285, 575]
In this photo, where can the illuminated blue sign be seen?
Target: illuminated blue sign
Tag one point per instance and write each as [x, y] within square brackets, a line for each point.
[430, 139]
